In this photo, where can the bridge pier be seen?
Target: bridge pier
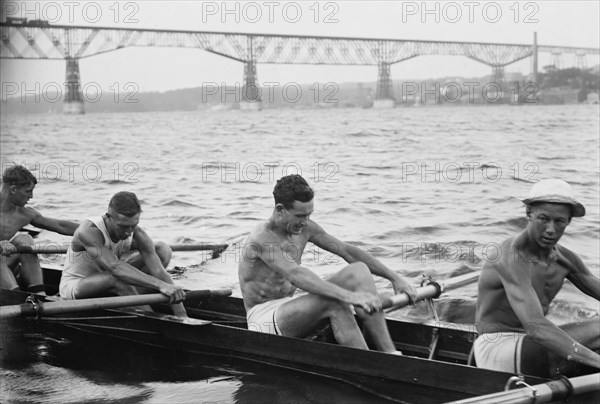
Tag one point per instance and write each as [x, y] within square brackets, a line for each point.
[557, 58]
[580, 61]
[384, 96]
[498, 74]
[535, 59]
[73, 102]
[251, 100]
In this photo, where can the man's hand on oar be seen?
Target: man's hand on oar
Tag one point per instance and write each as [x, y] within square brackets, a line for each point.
[175, 293]
[400, 285]
[7, 248]
[368, 302]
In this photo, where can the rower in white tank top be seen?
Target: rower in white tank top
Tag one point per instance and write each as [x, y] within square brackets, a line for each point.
[80, 264]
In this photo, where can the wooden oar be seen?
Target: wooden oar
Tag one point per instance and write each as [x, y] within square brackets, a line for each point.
[58, 249]
[67, 306]
[555, 390]
[429, 291]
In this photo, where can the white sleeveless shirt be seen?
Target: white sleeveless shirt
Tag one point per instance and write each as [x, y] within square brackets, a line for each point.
[75, 259]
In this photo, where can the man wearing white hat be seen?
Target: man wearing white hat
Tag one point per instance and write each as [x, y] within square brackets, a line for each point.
[519, 281]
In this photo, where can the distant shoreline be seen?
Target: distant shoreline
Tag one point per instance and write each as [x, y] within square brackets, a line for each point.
[568, 86]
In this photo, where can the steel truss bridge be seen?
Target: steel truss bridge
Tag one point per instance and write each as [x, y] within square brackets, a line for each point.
[40, 40]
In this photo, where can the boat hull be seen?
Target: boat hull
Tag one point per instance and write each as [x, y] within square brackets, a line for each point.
[410, 378]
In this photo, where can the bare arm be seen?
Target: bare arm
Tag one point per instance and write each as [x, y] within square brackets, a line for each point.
[351, 253]
[92, 240]
[145, 246]
[579, 274]
[270, 252]
[523, 299]
[65, 227]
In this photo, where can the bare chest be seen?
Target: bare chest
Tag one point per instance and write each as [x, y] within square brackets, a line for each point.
[11, 224]
[547, 280]
[292, 248]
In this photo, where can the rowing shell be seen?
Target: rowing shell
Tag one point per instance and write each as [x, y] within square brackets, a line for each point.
[222, 330]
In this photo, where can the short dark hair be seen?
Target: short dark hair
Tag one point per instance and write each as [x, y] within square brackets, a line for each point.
[571, 209]
[125, 203]
[292, 188]
[18, 175]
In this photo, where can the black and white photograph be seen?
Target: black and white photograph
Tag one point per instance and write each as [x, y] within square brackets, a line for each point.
[304, 201]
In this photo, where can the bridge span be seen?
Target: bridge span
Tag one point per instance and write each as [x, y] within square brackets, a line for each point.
[38, 39]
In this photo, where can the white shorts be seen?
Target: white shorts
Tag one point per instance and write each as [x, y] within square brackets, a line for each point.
[261, 317]
[17, 234]
[69, 281]
[68, 284]
[499, 351]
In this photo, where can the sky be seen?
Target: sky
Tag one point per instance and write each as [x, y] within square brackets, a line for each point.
[561, 23]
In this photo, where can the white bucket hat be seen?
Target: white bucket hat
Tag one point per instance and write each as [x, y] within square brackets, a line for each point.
[554, 191]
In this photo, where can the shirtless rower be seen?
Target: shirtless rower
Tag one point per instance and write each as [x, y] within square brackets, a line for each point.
[112, 255]
[17, 189]
[517, 285]
[270, 270]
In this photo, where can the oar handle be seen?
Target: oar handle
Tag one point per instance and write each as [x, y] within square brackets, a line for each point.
[199, 294]
[58, 249]
[430, 291]
[552, 391]
[99, 303]
[199, 247]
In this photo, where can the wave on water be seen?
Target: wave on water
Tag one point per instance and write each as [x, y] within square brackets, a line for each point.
[577, 181]
[184, 240]
[451, 252]
[341, 211]
[564, 311]
[221, 225]
[389, 235]
[377, 167]
[59, 385]
[515, 223]
[426, 229]
[188, 219]
[555, 157]
[44, 206]
[398, 201]
[243, 215]
[518, 179]
[361, 134]
[116, 182]
[179, 203]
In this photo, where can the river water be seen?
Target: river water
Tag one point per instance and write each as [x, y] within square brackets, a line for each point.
[426, 190]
